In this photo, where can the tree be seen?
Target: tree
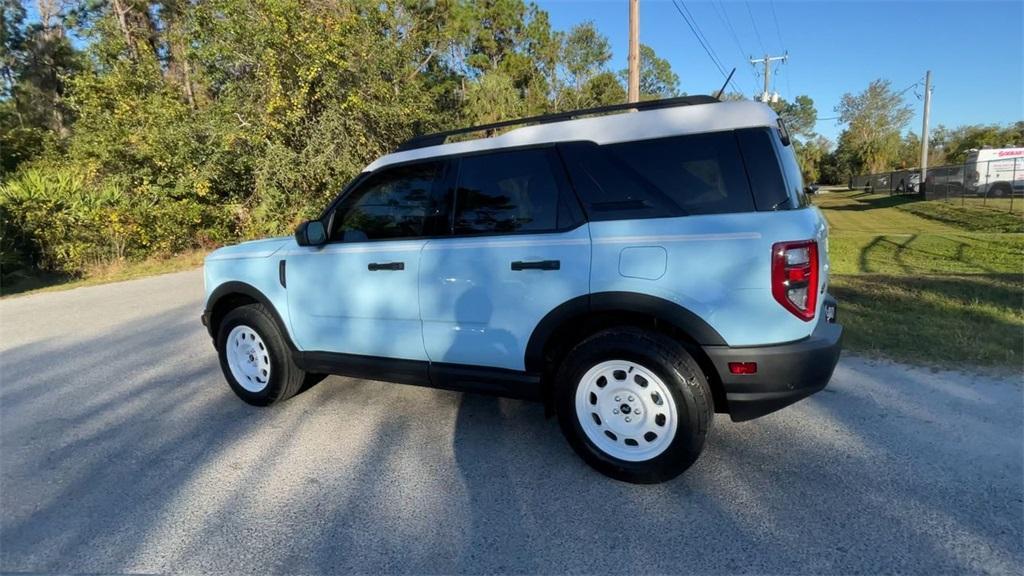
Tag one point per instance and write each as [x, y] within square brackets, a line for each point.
[657, 80]
[956, 143]
[800, 115]
[492, 98]
[843, 163]
[874, 118]
[732, 97]
[811, 155]
[585, 54]
[604, 89]
[35, 59]
[909, 155]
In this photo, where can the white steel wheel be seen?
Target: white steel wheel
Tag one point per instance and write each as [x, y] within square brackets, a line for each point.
[248, 358]
[626, 410]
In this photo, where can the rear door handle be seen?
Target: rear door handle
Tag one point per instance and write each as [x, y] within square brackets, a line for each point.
[537, 265]
[375, 266]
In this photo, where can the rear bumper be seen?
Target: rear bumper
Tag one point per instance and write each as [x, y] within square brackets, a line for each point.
[786, 373]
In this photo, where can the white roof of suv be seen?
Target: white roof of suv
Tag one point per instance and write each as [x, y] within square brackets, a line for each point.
[624, 127]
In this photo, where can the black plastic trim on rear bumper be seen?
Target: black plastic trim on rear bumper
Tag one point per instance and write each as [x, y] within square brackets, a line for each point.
[786, 373]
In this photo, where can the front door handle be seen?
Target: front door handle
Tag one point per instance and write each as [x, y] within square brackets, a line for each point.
[537, 265]
[375, 266]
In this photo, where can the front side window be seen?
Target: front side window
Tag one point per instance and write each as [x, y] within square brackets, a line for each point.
[506, 192]
[401, 202]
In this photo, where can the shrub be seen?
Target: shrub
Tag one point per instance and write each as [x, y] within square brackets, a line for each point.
[57, 220]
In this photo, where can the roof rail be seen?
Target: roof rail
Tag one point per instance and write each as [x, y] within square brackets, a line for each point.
[440, 137]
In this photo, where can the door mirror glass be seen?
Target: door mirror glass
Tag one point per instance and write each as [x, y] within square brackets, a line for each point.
[310, 233]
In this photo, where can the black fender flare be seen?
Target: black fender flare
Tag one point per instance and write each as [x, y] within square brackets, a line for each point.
[234, 287]
[632, 302]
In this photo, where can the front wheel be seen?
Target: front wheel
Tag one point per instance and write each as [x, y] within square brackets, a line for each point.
[634, 405]
[255, 359]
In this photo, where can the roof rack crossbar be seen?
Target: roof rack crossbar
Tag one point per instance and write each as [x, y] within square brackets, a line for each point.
[440, 137]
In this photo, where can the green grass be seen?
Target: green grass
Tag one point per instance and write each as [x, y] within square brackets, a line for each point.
[919, 253]
[927, 281]
[968, 216]
[115, 272]
[943, 320]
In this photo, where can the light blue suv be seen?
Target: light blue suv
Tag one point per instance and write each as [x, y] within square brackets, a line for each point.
[636, 270]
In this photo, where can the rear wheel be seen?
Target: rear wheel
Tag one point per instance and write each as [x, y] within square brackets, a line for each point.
[255, 359]
[1000, 190]
[634, 405]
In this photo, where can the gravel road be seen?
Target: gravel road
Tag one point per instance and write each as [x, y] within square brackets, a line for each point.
[122, 450]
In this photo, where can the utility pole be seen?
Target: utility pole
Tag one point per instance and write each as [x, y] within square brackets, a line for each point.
[633, 94]
[924, 128]
[767, 61]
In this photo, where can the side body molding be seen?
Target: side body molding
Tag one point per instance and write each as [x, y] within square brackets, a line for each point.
[623, 302]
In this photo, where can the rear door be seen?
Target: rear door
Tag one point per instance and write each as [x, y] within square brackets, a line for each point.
[519, 248]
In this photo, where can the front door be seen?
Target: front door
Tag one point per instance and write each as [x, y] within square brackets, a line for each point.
[519, 248]
[358, 293]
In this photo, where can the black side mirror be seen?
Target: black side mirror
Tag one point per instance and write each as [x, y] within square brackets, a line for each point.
[311, 233]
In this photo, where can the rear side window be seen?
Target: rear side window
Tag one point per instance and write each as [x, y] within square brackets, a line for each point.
[677, 176]
[766, 180]
[794, 177]
[507, 192]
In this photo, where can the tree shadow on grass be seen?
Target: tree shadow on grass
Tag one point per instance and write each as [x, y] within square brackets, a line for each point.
[863, 202]
[973, 320]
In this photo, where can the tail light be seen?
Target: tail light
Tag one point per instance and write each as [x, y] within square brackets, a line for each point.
[795, 277]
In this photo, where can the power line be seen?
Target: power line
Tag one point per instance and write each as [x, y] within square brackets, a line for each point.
[782, 45]
[702, 41]
[707, 42]
[917, 83]
[699, 38]
[756, 31]
[724, 17]
[778, 30]
[700, 33]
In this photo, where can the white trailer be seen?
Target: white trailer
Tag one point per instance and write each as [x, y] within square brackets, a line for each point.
[995, 171]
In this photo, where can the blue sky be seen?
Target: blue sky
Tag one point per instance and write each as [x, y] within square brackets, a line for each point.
[975, 50]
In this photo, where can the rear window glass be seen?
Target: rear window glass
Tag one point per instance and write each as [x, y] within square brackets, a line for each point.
[506, 192]
[677, 176]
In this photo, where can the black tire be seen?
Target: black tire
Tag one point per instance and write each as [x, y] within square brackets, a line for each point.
[999, 190]
[285, 378]
[678, 370]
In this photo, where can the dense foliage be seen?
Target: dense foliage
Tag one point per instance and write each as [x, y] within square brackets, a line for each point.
[130, 128]
[133, 127]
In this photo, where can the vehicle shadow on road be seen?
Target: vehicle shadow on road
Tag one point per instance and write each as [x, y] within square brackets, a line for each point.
[860, 477]
[116, 459]
[99, 435]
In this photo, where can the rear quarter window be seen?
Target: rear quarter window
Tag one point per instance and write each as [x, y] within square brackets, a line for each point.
[676, 176]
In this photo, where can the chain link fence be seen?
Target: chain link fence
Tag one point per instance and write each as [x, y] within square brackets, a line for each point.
[997, 183]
